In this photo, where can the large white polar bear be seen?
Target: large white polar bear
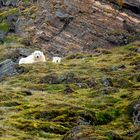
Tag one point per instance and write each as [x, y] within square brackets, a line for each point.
[36, 56]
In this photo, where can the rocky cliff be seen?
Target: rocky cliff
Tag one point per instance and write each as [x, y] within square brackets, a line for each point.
[67, 26]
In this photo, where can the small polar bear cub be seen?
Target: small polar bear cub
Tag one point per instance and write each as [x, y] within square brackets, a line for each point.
[56, 59]
[36, 56]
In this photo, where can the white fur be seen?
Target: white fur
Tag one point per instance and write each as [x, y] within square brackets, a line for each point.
[56, 59]
[36, 56]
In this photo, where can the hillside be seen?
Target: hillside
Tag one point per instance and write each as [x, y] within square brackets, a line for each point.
[94, 94]
[87, 96]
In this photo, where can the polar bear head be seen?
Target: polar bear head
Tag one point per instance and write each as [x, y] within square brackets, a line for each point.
[38, 56]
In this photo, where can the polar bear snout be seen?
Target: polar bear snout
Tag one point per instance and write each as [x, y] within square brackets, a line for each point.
[37, 55]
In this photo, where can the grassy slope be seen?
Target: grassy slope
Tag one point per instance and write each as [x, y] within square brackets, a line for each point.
[51, 111]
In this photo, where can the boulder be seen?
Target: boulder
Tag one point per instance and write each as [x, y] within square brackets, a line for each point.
[7, 68]
[106, 81]
[69, 77]
[134, 112]
[13, 23]
[2, 35]
[15, 54]
[108, 90]
[8, 3]
[68, 90]
[61, 14]
[50, 79]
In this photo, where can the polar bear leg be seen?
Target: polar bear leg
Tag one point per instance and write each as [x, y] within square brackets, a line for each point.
[21, 61]
[27, 60]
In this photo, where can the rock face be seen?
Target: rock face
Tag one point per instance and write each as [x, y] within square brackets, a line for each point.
[62, 27]
[136, 113]
[8, 3]
[7, 68]
[134, 5]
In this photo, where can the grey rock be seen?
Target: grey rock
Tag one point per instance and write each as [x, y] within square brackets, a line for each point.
[7, 68]
[18, 53]
[137, 67]
[92, 83]
[134, 112]
[106, 81]
[108, 90]
[68, 90]
[13, 23]
[138, 50]
[118, 39]
[134, 5]
[50, 18]
[113, 68]
[50, 79]
[26, 92]
[128, 27]
[78, 133]
[8, 3]
[61, 14]
[24, 51]
[69, 77]
[2, 35]
[122, 66]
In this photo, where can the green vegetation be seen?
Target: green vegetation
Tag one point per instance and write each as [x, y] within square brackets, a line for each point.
[4, 27]
[49, 100]
[5, 13]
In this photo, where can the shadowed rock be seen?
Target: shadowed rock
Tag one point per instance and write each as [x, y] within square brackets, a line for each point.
[8, 3]
[134, 112]
[13, 23]
[50, 79]
[2, 35]
[106, 81]
[68, 90]
[9, 68]
[15, 54]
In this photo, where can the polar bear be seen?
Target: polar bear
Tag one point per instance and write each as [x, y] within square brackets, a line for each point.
[56, 59]
[36, 56]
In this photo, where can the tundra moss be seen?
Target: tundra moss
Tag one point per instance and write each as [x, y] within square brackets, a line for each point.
[4, 27]
[33, 109]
